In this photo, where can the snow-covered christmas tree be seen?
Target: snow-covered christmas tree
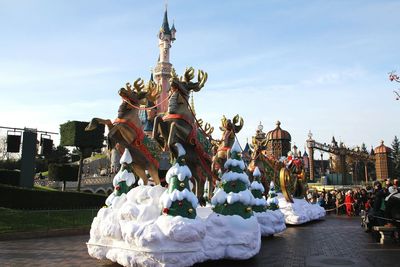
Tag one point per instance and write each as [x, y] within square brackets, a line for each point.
[124, 179]
[257, 189]
[272, 200]
[233, 196]
[179, 200]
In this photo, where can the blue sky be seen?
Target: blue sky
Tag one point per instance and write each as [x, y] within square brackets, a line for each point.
[313, 65]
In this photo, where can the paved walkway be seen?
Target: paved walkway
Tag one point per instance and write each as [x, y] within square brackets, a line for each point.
[336, 241]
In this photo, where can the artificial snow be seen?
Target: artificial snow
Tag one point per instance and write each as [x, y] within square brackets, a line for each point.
[257, 172]
[257, 186]
[124, 176]
[133, 233]
[271, 222]
[181, 172]
[220, 197]
[232, 176]
[300, 211]
[235, 163]
[272, 200]
[181, 150]
[259, 202]
[168, 198]
[121, 176]
[236, 147]
[126, 157]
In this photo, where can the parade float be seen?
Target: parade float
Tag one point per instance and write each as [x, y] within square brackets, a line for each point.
[158, 226]
[157, 136]
[286, 173]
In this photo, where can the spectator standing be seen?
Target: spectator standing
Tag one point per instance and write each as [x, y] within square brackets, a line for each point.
[349, 201]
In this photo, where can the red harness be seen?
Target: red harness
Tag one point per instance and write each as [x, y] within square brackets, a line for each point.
[138, 142]
[192, 139]
[224, 148]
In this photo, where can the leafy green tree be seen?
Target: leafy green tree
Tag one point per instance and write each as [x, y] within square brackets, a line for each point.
[396, 157]
[73, 133]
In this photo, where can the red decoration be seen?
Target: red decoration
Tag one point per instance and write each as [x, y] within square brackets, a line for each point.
[165, 210]
[117, 188]
[180, 203]
[233, 184]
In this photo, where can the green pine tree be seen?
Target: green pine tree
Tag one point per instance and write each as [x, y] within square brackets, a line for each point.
[257, 189]
[179, 200]
[124, 179]
[272, 200]
[233, 196]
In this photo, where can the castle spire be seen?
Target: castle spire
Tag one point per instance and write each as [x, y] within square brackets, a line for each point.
[165, 26]
[162, 71]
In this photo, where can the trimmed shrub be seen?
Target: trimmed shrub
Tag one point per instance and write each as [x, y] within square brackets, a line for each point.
[10, 177]
[73, 134]
[25, 198]
[63, 172]
[10, 164]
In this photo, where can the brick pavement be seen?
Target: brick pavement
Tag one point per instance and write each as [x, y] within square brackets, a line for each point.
[335, 241]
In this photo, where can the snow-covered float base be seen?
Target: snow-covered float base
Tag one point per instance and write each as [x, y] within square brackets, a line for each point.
[271, 222]
[133, 233]
[300, 211]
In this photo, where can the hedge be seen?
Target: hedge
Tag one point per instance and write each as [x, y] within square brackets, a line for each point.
[10, 164]
[10, 177]
[24, 198]
[73, 134]
[63, 172]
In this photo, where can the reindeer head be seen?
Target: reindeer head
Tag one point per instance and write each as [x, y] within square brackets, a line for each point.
[135, 96]
[184, 83]
[228, 125]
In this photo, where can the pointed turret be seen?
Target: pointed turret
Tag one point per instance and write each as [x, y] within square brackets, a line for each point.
[165, 26]
[173, 31]
[162, 72]
[334, 143]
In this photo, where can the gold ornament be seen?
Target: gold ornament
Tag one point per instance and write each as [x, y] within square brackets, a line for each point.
[249, 209]
[190, 210]
[182, 184]
[225, 204]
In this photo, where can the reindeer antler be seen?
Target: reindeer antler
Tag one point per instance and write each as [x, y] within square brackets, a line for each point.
[173, 74]
[189, 74]
[202, 79]
[153, 91]
[237, 119]
[223, 123]
[208, 129]
[138, 85]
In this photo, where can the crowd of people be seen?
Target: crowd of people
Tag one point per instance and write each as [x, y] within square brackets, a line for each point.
[371, 199]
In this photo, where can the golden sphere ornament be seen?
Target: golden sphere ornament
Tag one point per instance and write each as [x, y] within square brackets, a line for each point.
[182, 184]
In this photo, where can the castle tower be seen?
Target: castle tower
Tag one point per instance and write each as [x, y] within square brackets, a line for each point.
[382, 162]
[278, 142]
[162, 72]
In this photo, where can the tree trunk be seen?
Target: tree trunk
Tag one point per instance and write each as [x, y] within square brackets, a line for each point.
[80, 172]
